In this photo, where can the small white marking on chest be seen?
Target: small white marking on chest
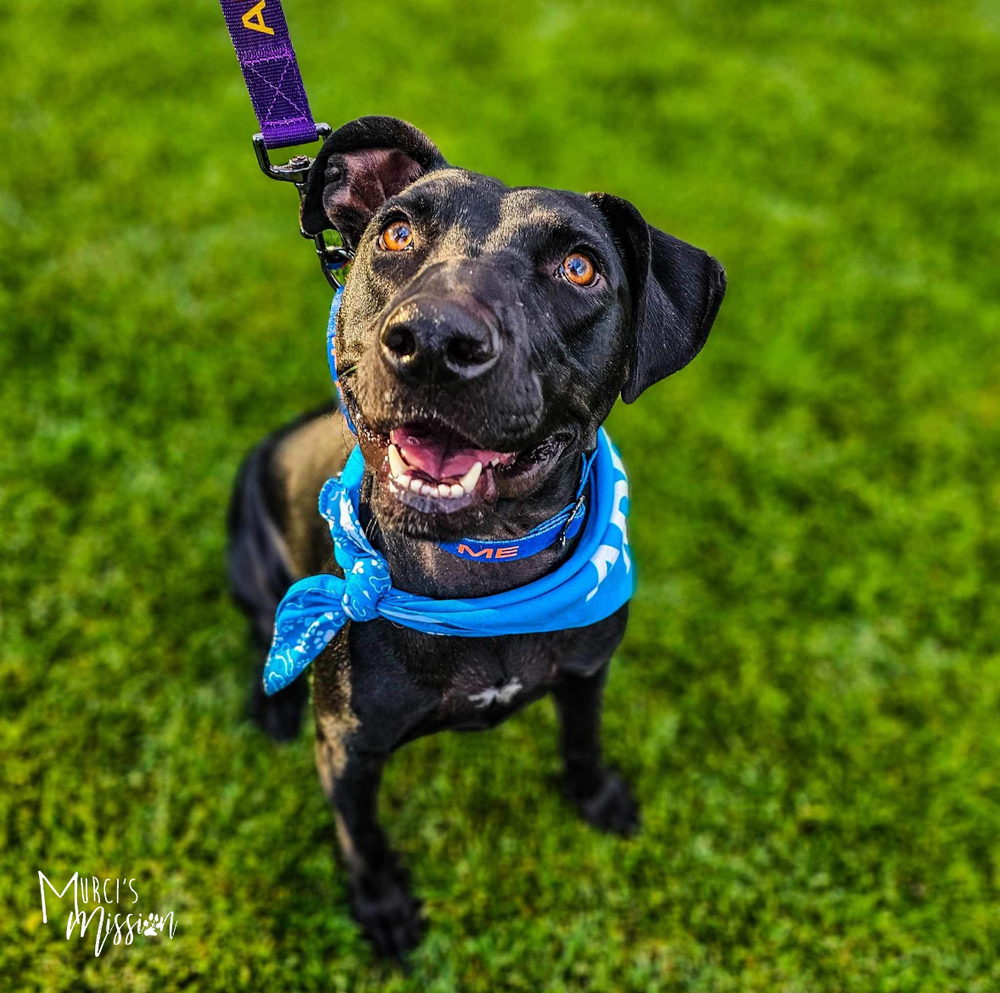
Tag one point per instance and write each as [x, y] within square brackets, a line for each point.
[492, 694]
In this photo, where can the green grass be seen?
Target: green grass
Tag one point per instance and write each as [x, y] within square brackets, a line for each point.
[807, 701]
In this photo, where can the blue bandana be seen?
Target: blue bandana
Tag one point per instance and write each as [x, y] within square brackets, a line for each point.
[593, 583]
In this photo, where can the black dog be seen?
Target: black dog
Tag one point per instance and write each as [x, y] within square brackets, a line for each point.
[492, 323]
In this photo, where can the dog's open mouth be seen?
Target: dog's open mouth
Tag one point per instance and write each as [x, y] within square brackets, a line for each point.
[435, 469]
[440, 463]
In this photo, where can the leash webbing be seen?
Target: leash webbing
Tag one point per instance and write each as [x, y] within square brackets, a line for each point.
[264, 49]
[271, 72]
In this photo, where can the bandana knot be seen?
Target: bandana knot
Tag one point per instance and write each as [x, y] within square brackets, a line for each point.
[364, 586]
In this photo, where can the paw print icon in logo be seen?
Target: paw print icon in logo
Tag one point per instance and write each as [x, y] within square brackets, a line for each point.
[152, 925]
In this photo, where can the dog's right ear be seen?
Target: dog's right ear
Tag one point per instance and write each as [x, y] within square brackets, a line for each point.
[359, 167]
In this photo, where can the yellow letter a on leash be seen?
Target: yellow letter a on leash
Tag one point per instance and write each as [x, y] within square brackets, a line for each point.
[254, 19]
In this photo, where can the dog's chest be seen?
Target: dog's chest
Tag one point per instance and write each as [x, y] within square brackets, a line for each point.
[495, 679]
[487, 680]
[406, 684]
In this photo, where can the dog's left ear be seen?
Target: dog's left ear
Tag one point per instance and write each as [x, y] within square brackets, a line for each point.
[358, 168]
[676, 292]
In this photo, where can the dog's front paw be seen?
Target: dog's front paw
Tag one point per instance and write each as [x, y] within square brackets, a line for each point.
[611, 807]
[388, 914]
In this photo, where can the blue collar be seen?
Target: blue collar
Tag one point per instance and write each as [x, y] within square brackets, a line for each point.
[593, 583]
[562, 527]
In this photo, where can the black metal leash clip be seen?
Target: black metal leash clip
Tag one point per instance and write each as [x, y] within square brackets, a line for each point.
[295, 170]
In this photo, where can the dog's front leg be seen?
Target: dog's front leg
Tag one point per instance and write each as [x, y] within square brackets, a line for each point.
[601, 794]
[381, 901]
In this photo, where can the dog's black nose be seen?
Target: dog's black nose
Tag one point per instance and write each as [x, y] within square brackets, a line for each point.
[442, 341]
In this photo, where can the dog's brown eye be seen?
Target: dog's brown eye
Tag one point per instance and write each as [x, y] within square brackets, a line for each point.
[579, 269]
[397, 236]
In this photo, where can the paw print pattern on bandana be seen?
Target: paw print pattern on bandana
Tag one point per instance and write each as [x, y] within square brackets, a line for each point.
[292, 649]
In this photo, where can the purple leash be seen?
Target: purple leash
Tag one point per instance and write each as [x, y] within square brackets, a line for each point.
[260, 37]
[271, 72]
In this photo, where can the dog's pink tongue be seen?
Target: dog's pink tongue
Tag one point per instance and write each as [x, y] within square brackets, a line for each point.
[439, 455]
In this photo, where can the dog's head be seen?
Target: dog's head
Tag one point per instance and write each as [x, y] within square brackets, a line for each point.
[486, 331]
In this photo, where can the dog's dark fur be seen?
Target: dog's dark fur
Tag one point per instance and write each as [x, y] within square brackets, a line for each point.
[538, 365]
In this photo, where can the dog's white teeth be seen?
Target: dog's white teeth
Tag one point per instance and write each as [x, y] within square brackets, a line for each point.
[401, 479]
[469, 480]
[396, 464]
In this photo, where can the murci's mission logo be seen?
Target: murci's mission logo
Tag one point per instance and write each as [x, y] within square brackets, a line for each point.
[93, 891]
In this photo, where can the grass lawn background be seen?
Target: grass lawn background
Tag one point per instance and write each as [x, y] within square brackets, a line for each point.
[807, 701]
